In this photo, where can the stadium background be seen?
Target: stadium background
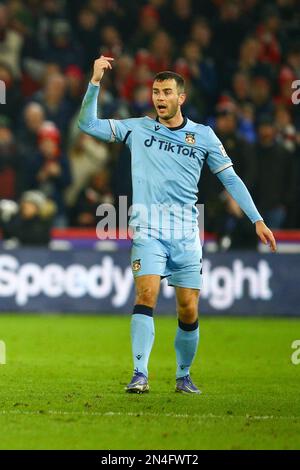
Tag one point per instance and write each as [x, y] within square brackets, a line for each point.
[239, 60]
[62, 385]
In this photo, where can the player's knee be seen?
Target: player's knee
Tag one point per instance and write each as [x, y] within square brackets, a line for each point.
[187, 312]
[146, 296]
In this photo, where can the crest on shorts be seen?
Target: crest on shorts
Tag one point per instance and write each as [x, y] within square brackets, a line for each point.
[136, 265]
[190, 138]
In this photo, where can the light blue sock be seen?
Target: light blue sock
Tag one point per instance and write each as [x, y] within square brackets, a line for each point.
[142, 337]
[186, 344]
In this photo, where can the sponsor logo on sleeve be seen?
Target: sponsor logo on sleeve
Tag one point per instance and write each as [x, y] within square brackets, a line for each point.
[223, 151]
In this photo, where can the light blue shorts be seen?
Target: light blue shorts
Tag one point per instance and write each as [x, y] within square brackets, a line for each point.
[179, 260]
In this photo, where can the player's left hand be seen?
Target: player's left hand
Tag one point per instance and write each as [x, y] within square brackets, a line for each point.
[266, 235]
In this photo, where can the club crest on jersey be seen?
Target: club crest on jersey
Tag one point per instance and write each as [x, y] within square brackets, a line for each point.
[136, 265]
[190, 138]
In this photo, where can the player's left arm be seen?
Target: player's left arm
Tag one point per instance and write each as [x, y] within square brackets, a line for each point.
[238, 190]
[221, 165]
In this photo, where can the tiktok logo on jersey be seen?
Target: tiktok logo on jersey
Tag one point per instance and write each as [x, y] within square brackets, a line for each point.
[171, 147]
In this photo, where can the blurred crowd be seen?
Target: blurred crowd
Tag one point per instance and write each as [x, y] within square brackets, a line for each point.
[239, 59]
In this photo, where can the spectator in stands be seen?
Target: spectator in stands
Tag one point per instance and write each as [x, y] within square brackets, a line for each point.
[27, 139]
[286, 131]
[267, 33]
[10, 43]
[87, 157]
[241, 94]
[123, 72]
[111, 42]
[249, 62]
[111, 106]
[202, 75]
[246, 128]
[29, 222]
[286, 11]
[178, 20]
[22, 17]
[97, 192]
[50, 171]
[9, 161]
[241, 88]
[274, 172]
[159, 55]
[38, 44]
[231, 222]
[74, 84]
[290, 72]
[230, 29]
[54, 101]
[201, 33]
[241, 152]
[142, 76]
[289, 138]
[63, 49]
[234, 223]
[141, 101]
[149, 24]
[261, 96]
[293, 59]
[86, 30]
[249, 55]
[105, 11]
[160, 5]
[13, 97]
[29, 127]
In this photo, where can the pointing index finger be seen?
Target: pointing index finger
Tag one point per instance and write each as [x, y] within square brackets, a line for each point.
[106, 58]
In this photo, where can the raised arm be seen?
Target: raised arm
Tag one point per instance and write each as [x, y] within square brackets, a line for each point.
[237, 189]
[109, 130]
[88, 121]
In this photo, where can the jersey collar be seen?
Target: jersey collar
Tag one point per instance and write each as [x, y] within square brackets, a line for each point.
[174, 128]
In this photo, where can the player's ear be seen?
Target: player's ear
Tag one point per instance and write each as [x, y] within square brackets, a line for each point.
[182, 98]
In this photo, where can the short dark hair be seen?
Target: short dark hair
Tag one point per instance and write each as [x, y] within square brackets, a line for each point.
[168, 75]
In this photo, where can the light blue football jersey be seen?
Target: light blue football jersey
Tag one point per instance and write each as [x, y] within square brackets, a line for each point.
[166, 163]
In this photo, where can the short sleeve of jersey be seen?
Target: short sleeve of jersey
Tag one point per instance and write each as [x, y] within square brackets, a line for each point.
[217, 158]
[121, 129]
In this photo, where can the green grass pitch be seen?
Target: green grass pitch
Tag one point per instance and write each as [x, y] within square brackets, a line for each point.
[63, 386]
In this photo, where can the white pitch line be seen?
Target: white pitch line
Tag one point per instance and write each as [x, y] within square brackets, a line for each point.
[151, 415]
